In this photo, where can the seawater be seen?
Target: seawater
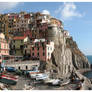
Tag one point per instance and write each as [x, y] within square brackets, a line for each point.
[89, 74]
[90, 58]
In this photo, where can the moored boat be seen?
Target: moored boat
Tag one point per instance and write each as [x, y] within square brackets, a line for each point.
[8, 79]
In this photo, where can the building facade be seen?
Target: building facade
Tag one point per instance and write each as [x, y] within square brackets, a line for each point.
[4, 47]
[17, 46]
[39, 49]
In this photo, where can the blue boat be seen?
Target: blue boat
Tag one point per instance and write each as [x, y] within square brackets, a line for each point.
[10, 69]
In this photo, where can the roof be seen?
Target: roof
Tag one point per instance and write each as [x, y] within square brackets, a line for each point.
[19, 38]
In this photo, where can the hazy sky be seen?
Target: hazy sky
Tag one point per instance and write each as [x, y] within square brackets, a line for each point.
[77, 18]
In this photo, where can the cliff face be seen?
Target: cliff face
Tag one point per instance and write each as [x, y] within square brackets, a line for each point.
[65, 58]
[79, 60]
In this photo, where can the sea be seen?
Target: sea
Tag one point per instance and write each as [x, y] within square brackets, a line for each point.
[89, 74]
[89, 58]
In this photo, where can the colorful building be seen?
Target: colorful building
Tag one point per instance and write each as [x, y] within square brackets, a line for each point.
[17, 45]
[39, 49]
[4, 47]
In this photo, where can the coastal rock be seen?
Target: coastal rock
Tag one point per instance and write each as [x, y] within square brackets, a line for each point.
[86, 85]
[65, 58]
[79, 60]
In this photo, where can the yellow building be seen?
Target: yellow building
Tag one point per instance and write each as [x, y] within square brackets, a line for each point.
[18, 45]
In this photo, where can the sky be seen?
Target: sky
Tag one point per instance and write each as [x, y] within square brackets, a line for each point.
[76, 17]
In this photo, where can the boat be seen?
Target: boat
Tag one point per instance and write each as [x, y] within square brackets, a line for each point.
[8, 79]
[53, 82]
[65, 82]
[41, 76]
[32, 74]
[10, 69]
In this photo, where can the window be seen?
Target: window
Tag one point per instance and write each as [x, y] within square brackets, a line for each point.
[42, 44]
[21, 41]
[25, 52]
[43, 48]
[25, 46]
[32, 54]
[36, 44]
[38, 54]
[14, 41]
[48, 53]
[13, 46]
[19, 67]
[26, 67]
[21, 51]
[38, 48]
[43, 54]
[50, 28]
[15, 52]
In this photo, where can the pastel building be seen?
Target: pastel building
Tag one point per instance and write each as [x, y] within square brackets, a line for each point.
[40, 49]
[17, 45]
[4, 46]
[21, 23]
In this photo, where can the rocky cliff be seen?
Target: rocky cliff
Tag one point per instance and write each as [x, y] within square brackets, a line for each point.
[65, 58]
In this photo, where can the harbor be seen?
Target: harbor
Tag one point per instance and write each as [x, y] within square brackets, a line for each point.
[34, 79]
[38, 53]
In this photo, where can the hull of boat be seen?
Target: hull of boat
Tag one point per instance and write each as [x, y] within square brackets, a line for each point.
[7, 81]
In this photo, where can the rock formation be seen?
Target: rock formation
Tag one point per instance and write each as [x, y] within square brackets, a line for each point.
[65, 58]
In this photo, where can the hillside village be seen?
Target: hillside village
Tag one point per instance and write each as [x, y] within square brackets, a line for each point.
[29, 35]
[36, 47]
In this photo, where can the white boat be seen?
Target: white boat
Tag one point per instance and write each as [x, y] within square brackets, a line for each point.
[39, 76]
[52, 81]
[42, 76]
[65, 82]
[33, 75]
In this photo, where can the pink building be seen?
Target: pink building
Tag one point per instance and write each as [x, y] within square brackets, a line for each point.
[40, 49]
[4, 46]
